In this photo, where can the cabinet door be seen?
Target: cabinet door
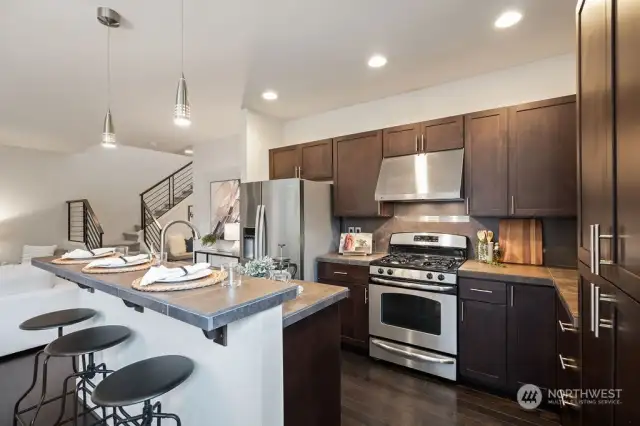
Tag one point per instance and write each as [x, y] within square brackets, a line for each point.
[597, 349]
[542, 158]
[482, 337]
[316, 160]
[627, 327]
[284, 162]
[531, 336]
[354, 314]
[627, 149]
[595, 127]
[401, 140]
[356, 165]
[486, 174]
[442, 134]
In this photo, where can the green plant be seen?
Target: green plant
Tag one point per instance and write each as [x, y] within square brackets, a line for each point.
[208, 240]
[259, 267]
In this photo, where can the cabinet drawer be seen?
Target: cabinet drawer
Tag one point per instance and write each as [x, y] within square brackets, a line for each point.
[343, 273]
[568, 335]
[483, 291]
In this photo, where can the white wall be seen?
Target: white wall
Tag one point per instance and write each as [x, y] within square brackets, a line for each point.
[34, 186]
[261, 134]
[221, 159]
[178, 212]
[552, 77]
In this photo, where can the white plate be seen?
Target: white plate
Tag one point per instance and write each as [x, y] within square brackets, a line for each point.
[100, 256]
[198, 275]
[126, 265]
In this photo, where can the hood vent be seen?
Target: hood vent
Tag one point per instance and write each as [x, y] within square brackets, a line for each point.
[434, 176]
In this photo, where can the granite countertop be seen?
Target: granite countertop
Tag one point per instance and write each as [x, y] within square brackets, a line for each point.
[350, 260]
[564, 280]
[314, 298]
[207, 308]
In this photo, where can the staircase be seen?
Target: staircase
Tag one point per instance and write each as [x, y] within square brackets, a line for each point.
[156, 201]
[83, 225]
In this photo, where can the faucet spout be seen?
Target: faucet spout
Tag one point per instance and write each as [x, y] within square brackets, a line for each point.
[163, 234]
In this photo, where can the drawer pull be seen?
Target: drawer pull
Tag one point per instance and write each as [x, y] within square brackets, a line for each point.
[565, 326]
[606, 323]
[479, 290]
[340, 273]
[566, 362]
[565, 403]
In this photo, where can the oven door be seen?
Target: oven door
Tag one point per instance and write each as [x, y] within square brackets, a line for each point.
[415, 317]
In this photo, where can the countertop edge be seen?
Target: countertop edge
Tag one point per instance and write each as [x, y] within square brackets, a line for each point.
[205, 322]
[306, 312]
[349, 260]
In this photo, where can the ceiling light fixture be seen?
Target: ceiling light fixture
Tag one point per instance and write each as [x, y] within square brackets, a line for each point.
[377, 61]
[111, 19]
[508, 19]
[188, 151]
[270, 95]
[182, 109]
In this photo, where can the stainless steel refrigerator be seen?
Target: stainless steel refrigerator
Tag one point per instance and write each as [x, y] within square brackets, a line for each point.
[294, 212]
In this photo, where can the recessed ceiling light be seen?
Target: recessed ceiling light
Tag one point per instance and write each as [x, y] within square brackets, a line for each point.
[377, 61]
[188, 151]
[270, 95]
[508, 19]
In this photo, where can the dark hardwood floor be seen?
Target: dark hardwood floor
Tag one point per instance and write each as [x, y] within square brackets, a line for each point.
[376, 393]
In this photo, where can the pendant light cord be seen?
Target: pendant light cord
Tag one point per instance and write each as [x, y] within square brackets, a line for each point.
[182, 36]
[108, 67]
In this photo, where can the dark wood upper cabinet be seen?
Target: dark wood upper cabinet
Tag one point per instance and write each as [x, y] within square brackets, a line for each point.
[316, 160]
[401, 140]
[531, 336]
[486, 176]
[542, 158]
[595, 123]
[283, 162]
[442, 134]
[482, 337]
[356, 164]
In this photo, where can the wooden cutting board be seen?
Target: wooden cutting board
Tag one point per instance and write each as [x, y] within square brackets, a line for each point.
[521, 241]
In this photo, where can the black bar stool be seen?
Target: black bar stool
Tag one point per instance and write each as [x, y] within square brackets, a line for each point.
[141, 382]
[48, 321]
[85, 343]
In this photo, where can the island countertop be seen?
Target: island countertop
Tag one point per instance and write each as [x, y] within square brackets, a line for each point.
[314, 298]
[207, 308]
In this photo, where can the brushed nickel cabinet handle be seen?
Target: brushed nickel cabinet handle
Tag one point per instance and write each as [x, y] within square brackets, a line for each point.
[467, 201]
[592, 254]
[511, 288]
[592, 307]
[565, 326]
[340, 273]
[366, 296]
[596, 311]
[422, 143]
[481, 290]
[513, 204]
[416, 143]
[567, 403]
[462, 312]
[566, 362]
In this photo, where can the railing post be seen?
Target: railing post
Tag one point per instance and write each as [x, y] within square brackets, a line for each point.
[85, 240]
[172, 188]
[68, 221]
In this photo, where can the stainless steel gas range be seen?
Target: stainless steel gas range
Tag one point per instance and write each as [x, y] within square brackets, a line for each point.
[413, 302]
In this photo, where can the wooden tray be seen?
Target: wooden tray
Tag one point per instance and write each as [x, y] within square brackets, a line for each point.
[215, 278]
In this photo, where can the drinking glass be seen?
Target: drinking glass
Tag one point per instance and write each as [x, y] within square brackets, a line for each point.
[161, 260]
[280, 275]
[233, 274]
[122, 250]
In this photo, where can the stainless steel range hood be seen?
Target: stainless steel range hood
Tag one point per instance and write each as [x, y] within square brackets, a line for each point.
[434, 176]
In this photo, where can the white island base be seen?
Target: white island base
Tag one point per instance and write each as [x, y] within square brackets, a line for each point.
[240, 384]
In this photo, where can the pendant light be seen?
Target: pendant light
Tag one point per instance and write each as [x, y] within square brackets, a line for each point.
[111, 19]
[182, 110]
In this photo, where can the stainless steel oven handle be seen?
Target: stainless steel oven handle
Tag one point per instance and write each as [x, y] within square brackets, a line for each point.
[411, 285]
[417, 357]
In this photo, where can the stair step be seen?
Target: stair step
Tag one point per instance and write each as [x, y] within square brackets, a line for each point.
[130, 236]
[137, 228]
[134, 246]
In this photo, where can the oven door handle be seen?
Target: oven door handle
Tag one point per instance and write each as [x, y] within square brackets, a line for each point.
[406, 354]
[411, 285]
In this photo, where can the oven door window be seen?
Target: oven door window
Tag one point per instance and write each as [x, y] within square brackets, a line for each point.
[411, 312]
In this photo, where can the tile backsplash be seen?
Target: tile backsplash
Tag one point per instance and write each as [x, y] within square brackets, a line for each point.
[559, 235]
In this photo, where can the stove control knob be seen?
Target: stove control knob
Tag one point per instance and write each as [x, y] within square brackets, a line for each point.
[441, 277]
[380, 271]
[429, 275]
[389, 271]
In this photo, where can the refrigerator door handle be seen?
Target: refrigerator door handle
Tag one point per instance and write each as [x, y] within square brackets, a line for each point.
[256, 237]
[263, 234]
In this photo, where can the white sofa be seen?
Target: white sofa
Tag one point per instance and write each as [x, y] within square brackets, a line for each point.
[25, 292]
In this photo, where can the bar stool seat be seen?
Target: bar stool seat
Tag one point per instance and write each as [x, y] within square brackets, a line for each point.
[88, 341]
[57, 319]
[142, 381]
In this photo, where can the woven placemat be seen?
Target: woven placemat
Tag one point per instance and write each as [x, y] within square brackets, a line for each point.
[215, 278]
[134, 268]
[62, 261]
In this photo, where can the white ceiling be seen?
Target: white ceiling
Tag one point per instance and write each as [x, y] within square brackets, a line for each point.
[313, 53]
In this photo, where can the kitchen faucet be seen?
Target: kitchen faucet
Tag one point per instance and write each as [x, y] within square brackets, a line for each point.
[194, 231]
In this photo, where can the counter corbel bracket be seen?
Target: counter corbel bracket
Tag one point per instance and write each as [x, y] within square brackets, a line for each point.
[84, 287]
[135, 307]
[219, 335]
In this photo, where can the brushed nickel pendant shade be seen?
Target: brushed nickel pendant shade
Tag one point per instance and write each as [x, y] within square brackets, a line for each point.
[111, 19]
[182, 109]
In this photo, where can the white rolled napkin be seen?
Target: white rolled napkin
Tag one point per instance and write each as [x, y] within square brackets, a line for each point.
[162, 272]
[120, 261]
[88, 254]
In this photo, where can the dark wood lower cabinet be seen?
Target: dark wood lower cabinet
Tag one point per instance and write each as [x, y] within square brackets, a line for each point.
[482, 335]
[568, 365]
[354, 311]
[312, 370]
[627, 329]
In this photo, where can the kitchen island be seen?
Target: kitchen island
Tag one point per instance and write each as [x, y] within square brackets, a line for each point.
[238, 337]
